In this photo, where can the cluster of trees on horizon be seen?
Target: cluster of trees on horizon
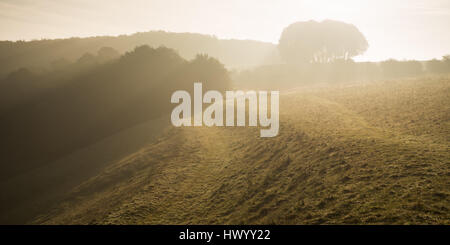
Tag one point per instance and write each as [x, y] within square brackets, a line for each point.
[45, 116]
[308, 51]
[38, 55]
[322, 52]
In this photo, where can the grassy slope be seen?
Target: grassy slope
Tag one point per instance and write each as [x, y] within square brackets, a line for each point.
[32, 192]
[361, 153]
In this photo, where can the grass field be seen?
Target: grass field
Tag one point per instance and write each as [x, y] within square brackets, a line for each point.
[360, 153]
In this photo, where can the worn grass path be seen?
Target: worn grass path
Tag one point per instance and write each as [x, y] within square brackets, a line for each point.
[334, 161]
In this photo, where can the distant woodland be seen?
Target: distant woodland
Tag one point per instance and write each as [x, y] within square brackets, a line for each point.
[44, 116]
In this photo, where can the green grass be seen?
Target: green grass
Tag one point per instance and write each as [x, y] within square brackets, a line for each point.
[365, 153]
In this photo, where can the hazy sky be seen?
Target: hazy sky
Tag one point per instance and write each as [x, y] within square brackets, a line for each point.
[402, 29]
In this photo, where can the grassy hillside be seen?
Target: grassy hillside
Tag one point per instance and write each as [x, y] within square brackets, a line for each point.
[33, 192]
[42, 129]
[362, 153]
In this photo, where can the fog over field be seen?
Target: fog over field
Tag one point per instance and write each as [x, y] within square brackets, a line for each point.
[224, 112]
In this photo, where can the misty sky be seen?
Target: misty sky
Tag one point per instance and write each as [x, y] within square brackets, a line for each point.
[401, 29]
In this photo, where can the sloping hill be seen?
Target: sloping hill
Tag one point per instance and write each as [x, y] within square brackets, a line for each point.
[40, 134]
[374, 153]
[35, 191]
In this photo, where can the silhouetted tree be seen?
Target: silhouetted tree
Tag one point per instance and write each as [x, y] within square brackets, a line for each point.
[87, 59]
[106, 54]
[321, 42]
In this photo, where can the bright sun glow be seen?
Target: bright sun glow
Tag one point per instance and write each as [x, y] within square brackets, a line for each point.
[401, 29]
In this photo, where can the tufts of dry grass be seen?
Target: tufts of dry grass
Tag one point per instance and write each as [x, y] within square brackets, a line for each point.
[371, 153]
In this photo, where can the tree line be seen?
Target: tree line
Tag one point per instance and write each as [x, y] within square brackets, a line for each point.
[314, 52]
[93, 98]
